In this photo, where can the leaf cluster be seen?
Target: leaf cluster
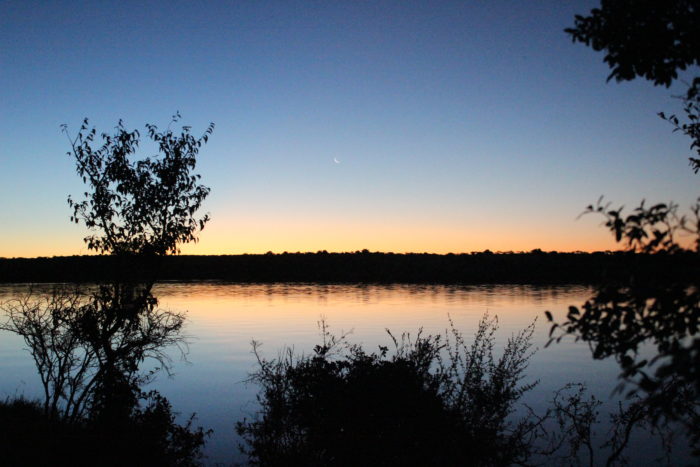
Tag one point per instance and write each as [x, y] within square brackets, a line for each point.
[691, 126]
[648, 310]
[652, 40]
[648, 39]
[144, 206]
[650, 229]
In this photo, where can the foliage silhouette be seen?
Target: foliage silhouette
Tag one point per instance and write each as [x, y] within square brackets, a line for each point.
[649, 39]
[139, 207]
[88, 344]
[690, 127]
[646, 308]
[433, 400]
[343, 406]
[151, 437]
[653, 40]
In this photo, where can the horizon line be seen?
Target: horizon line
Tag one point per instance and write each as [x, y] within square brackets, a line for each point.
[363, 251]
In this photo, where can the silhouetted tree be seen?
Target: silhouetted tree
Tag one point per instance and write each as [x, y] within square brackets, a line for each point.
[67, 367]
[142, 207]
[89, 344]
[649, 39]
[653, 40]
[140, 210]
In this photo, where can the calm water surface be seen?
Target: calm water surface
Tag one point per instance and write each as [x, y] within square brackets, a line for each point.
[223, 319]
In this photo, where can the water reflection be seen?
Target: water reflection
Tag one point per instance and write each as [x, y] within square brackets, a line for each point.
[223, 318]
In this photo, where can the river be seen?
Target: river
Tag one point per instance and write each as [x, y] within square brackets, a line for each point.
[223, 319]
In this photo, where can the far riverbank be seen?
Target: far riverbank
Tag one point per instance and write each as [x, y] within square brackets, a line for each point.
[536, 267]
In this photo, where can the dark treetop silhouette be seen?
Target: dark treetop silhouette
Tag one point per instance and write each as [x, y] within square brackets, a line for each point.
[653, 40]
[143, 207]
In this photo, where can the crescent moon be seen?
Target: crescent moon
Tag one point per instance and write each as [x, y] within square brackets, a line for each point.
[335, 159]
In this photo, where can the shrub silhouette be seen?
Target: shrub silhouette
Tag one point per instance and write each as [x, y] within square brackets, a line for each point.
[151, 437]
[433, 401]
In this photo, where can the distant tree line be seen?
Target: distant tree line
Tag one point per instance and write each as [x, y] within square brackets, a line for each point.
[372, 267]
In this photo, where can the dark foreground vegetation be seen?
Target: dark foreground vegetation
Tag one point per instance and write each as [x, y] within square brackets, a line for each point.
[89, 344]
[432, 401]
[424, 400]
[148, 436]
[649, 323]
[535, 267]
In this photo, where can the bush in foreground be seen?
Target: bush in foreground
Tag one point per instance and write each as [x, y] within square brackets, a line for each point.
[433, 401]
[149, 436]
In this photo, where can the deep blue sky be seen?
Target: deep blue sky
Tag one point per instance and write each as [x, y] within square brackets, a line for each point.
[459, 126]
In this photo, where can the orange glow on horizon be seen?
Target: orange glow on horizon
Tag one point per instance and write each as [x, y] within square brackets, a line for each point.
[258, 236]
[278, 237]
[390, 240]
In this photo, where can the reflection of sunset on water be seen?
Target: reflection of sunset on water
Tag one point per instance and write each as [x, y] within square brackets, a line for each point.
[223, 319]
[284, 313]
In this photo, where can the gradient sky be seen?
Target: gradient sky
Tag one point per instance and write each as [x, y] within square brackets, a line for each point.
[459, 126]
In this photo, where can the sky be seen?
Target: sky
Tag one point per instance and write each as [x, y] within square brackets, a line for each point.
[458, 126]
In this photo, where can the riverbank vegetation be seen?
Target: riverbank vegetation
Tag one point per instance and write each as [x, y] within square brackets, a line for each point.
[535, 267]
[432, 400]
[639, 310]
[422, 400]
